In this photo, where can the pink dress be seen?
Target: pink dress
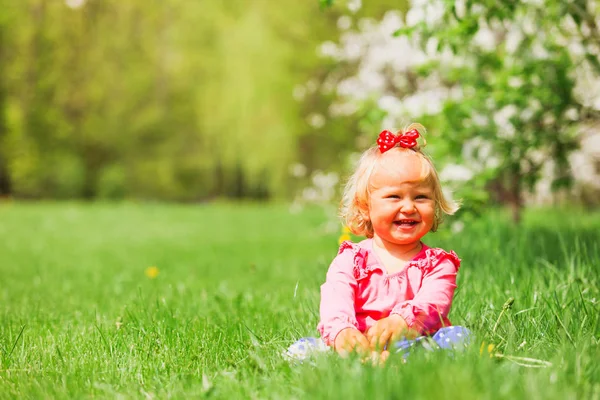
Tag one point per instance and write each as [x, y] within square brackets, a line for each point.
[358, 291]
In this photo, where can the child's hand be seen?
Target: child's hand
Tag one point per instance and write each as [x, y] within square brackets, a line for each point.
[385, 331]
[351, 339]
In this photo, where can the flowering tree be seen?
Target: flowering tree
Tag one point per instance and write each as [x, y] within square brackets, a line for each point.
[508, 87]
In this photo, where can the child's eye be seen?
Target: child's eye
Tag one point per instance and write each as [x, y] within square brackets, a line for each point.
[393, 196]
[422, 196]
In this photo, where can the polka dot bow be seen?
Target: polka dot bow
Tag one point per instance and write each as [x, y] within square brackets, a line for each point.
[387, 140]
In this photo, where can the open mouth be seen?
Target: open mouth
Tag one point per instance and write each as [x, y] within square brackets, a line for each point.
[406, 222]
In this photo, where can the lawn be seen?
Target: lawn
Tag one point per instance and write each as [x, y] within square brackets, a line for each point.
[83, 314]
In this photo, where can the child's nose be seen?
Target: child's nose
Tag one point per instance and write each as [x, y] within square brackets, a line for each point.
[407, 206]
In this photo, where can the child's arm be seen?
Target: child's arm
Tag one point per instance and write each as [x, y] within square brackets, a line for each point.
[430, 307]
[337, 299]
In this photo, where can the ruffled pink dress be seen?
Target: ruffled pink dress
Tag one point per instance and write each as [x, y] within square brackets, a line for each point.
[358, 291]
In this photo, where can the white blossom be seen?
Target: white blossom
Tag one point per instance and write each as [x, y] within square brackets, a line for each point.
[582, 166]
[506, 129]
[539, 51]
[572, 114]
[299, 92]
[526, 114]
[513, 39]
[391, 22]
[424, 103]
[528, 25]
[457, 226]
[515, 82]
[390, 104]
[456, 172]
[329, 49]
[75, 3]
[316, 120]
[415, 16]
[311, 85]
[354, 5]
[344, 22]
[485, 38]
[479, 119]
[297, 170]
[339, 109]
[461, 8]
[548, 118]
[385, 66]
[534, 2]
[478, 154]
[591, 144]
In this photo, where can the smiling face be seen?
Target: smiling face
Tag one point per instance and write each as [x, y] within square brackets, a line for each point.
[401, 204]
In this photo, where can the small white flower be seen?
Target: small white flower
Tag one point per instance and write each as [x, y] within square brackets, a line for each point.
[298, 170]
[390, 104]
[354, 5]
[513, 39]
[414, 16]
[329, 49]
[526, 114]
[316, 120]
[479, 119]
[461, 8]
[485, 38]
[572, 114]
[458, 227]
[502, 118]
[299, 92]
[539, 51]
[455, 172]
[74, 3]
[548, 119]
[344, 22]
[515, 82]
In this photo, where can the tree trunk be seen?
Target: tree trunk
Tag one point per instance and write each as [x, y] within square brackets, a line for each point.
[515, 198]
[5, 182]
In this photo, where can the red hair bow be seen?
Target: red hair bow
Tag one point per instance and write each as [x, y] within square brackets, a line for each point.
[387, 140]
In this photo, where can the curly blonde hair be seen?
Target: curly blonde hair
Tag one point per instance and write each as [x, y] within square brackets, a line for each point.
[354, 208]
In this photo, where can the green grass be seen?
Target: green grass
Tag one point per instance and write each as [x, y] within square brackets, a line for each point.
[239, 283]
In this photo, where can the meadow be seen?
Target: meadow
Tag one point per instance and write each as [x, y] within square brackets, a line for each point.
[199, 301]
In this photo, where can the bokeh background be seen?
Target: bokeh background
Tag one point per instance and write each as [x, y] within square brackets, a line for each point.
[194, 101]
[170, 170]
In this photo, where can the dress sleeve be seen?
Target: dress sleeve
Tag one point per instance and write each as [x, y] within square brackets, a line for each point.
[337, 298]
[429, 309]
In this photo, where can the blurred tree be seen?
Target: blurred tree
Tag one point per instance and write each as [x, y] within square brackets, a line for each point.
[5, 183]
[170, 100]
[506, 86]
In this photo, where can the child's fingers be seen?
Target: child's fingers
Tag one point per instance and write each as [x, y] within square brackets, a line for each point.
[373, 334]
[362, 341]
[355, 341]
[384, 356]
[384, 339]
[379, 337]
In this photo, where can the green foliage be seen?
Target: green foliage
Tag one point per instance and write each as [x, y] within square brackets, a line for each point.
[81, 319]
[170, 100]
[519, 92]
[506, 89]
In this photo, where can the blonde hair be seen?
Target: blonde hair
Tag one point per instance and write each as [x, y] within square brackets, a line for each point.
[354, 208]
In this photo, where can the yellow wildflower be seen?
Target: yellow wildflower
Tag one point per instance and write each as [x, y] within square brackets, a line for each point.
[152, 272]
[490, 348]
[343, 237]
